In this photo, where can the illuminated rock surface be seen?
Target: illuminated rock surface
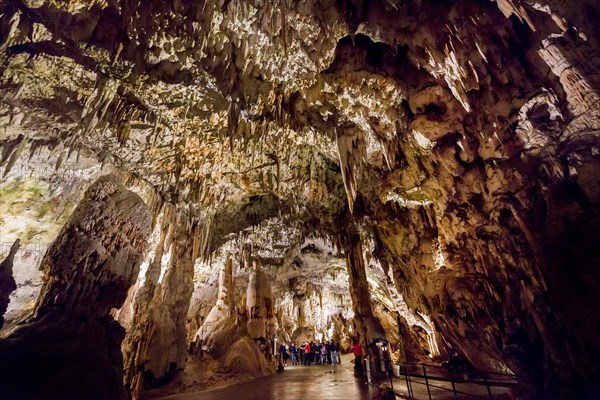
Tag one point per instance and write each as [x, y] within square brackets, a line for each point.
[70, 348]
[311, 170]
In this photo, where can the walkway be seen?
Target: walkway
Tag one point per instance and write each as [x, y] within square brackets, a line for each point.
[327, 382]
[335, 382]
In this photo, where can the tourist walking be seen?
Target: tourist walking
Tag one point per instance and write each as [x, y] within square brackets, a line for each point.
[333, 353]
[294, 354]
[307, 350]
[357, 350]
[301, 353]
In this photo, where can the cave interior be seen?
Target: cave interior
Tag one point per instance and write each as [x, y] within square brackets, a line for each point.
[185, 182]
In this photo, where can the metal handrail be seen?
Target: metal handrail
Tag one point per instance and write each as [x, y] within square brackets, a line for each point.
[449, 378]
[419, 364]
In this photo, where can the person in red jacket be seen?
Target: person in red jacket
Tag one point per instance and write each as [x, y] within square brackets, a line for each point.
[357, 350]
[307, 354]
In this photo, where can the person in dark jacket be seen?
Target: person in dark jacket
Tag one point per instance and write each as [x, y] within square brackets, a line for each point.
[294, 353]
[284, 354]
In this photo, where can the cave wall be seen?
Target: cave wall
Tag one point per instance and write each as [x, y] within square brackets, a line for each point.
[470, 225]
[38, 194]
[70, 347]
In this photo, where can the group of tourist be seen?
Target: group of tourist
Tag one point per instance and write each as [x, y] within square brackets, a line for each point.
[311, 353]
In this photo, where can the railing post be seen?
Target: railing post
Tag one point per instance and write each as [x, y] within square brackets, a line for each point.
[453, 385]
[408, 385]
[487, 384]
[426, 381]
[391, 374]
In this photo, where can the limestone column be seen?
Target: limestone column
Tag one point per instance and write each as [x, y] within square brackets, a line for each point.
[225, 292]
[156, 347]
[218, 322]
[367, 325]
[259, 303]
[135, 346]
[71, 349]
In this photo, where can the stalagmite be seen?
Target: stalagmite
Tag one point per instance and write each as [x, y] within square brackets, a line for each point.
[366, 324]
[70, 348]
[157, 344]
[218, 322]
[259, 304]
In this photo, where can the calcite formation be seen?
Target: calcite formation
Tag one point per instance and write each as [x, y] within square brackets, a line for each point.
[259, 304]
[70, 348]
[156, 344]
[430, 163]
[7, 281]
[367, 326]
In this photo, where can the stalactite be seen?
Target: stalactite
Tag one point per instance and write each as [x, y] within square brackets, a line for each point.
[12, 153]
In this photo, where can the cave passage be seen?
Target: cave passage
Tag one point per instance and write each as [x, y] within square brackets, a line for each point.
[320, 382]
[187, 185]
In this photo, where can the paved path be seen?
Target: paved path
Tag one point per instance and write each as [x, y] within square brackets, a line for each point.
[315, 382]
[327, 382]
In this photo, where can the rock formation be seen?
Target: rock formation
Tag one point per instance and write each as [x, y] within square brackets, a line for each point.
[366, 324]
[7, 281]
[259, 304]
[429, 162]
[70, 348]
[155, 347]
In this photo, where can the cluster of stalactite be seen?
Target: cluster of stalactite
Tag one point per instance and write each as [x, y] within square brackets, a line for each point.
[463, 136]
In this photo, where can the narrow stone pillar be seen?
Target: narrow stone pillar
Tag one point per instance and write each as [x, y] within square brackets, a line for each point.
[259, 303]
[226, 284]
[367, 325]
[71, 349]
[211, 332]
[156, 346]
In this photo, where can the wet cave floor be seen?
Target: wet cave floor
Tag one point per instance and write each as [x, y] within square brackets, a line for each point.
[327, 382]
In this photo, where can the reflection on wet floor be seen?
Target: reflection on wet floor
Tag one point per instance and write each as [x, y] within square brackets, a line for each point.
[336, 382]
[326, 382]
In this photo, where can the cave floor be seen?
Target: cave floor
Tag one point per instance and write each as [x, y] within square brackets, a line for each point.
[313, 382]
[331, 383]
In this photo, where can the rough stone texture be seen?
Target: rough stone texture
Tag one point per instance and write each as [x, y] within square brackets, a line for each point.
[70, 348]
[7, 281]
[259, 304]
[95, 259]
[156, 344]
[460, 138]
[367, 326]
[37, 199]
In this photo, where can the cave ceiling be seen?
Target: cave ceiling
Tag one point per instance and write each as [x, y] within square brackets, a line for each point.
[247, 110]
[445, 151]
